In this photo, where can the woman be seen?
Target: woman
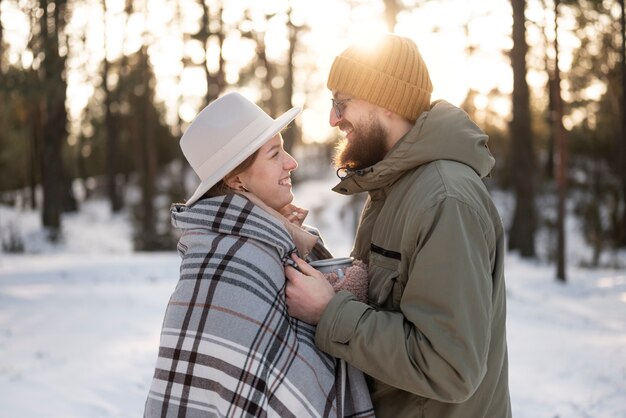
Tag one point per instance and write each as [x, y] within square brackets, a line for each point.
[228, 346]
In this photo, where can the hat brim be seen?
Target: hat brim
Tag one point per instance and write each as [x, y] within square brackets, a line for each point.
[249, 149]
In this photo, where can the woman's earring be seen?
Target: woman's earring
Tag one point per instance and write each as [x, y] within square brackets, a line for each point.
[244, 188]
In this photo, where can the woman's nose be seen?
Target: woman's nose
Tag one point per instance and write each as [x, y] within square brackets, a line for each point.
[291, 163]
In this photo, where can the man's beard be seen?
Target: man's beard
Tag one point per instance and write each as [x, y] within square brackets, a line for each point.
[367, 146]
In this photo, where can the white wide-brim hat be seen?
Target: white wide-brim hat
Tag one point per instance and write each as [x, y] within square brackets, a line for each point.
[224, 134]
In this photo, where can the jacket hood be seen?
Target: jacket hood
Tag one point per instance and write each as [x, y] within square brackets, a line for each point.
[445, 132]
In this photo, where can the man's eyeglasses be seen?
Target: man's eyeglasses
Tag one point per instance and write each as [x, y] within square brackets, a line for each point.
[339, 106]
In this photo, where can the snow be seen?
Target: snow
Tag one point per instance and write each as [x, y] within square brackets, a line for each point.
[80, 321]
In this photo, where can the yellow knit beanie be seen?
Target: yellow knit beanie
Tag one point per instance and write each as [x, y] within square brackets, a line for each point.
[389, 73]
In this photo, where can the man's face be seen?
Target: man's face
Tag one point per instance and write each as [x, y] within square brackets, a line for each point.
[365, 142]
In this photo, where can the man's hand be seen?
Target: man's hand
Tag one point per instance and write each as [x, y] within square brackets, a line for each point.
[308, 293]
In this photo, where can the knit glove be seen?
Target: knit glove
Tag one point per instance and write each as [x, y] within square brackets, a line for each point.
[355, 280]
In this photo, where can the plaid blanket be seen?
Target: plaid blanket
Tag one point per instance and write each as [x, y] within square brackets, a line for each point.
[228, 347]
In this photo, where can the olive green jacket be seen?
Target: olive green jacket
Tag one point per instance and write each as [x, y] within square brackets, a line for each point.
[432, 338]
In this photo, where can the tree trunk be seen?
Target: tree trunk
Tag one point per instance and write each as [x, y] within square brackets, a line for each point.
[220, 76]
[146, 160]
[2, 69]
[392, 8]
[522, 232]
[110, 126]
[203, 36]
[36, 140]
[181, 190]
[293, 135]
[215, 83]
[55, 117]
[561, 158]
[270, 99]
[622, 238]
[549, 170]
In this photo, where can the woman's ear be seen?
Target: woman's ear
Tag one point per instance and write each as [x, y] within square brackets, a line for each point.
[235, 183]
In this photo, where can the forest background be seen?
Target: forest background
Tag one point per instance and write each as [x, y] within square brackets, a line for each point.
[95, 94]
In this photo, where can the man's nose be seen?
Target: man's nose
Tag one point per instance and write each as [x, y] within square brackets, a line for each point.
[333, 120]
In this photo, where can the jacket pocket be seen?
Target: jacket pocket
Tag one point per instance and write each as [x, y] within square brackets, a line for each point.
[385, 290]
[394, 402]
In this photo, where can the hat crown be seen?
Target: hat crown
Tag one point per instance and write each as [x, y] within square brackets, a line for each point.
[215, 127]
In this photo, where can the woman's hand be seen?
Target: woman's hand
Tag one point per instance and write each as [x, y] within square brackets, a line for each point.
[294, 214]
[308, 292]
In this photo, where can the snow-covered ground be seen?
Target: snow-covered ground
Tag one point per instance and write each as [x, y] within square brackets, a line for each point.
[79, 322]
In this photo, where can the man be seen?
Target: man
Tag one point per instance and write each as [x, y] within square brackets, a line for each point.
[432, 339]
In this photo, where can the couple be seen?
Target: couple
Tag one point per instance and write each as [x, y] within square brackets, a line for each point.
[253, 330]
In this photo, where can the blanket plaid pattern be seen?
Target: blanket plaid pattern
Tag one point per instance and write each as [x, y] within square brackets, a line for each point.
[228, 347]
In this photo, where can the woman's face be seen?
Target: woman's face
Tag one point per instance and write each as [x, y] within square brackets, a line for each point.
[269, 176]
